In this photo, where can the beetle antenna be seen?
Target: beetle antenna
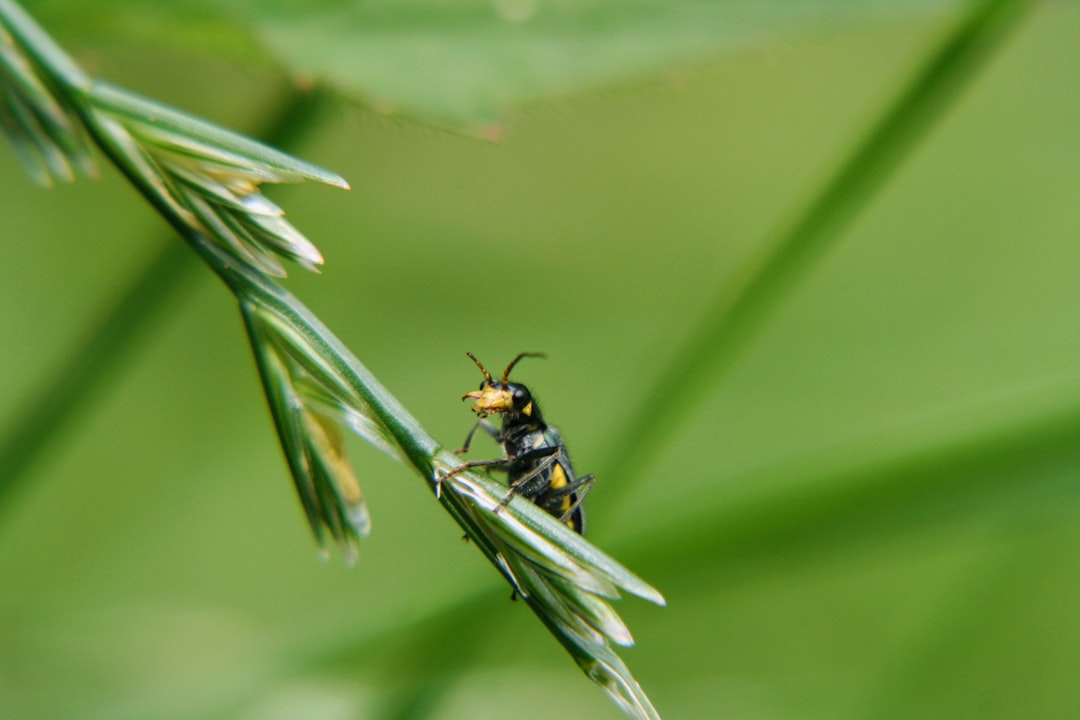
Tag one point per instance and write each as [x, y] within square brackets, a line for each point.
[487, 375]
[506, 375]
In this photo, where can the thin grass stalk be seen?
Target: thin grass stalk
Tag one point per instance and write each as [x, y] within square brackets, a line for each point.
[741, 310]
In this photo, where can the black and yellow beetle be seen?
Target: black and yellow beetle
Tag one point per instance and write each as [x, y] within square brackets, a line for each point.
[536, 463]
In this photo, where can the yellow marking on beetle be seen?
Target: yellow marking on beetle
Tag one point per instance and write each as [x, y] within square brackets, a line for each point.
[527, 410]
[558, 480]
[558, 476]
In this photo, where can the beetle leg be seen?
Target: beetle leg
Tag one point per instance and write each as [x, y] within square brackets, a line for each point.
[490, 429]
[583, 484]
[462, 468]
[547, 456]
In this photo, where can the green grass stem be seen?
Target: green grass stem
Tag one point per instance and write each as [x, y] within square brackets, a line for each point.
[742, 309]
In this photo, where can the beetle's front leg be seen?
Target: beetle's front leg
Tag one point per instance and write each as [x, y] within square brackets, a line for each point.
[462, 468]
[490, 429]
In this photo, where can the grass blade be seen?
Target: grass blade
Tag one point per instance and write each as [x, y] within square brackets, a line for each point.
[739, 312]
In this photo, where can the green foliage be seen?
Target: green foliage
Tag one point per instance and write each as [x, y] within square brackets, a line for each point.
[465, 63]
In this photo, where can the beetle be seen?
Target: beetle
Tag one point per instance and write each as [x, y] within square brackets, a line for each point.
[537, 465]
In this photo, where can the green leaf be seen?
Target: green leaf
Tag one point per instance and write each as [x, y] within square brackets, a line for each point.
[465, 63]
[468, 62]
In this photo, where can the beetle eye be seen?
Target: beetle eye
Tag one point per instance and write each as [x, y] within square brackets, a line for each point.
[521, 396]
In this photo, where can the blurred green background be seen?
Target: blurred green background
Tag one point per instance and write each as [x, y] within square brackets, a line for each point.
[874, 513]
